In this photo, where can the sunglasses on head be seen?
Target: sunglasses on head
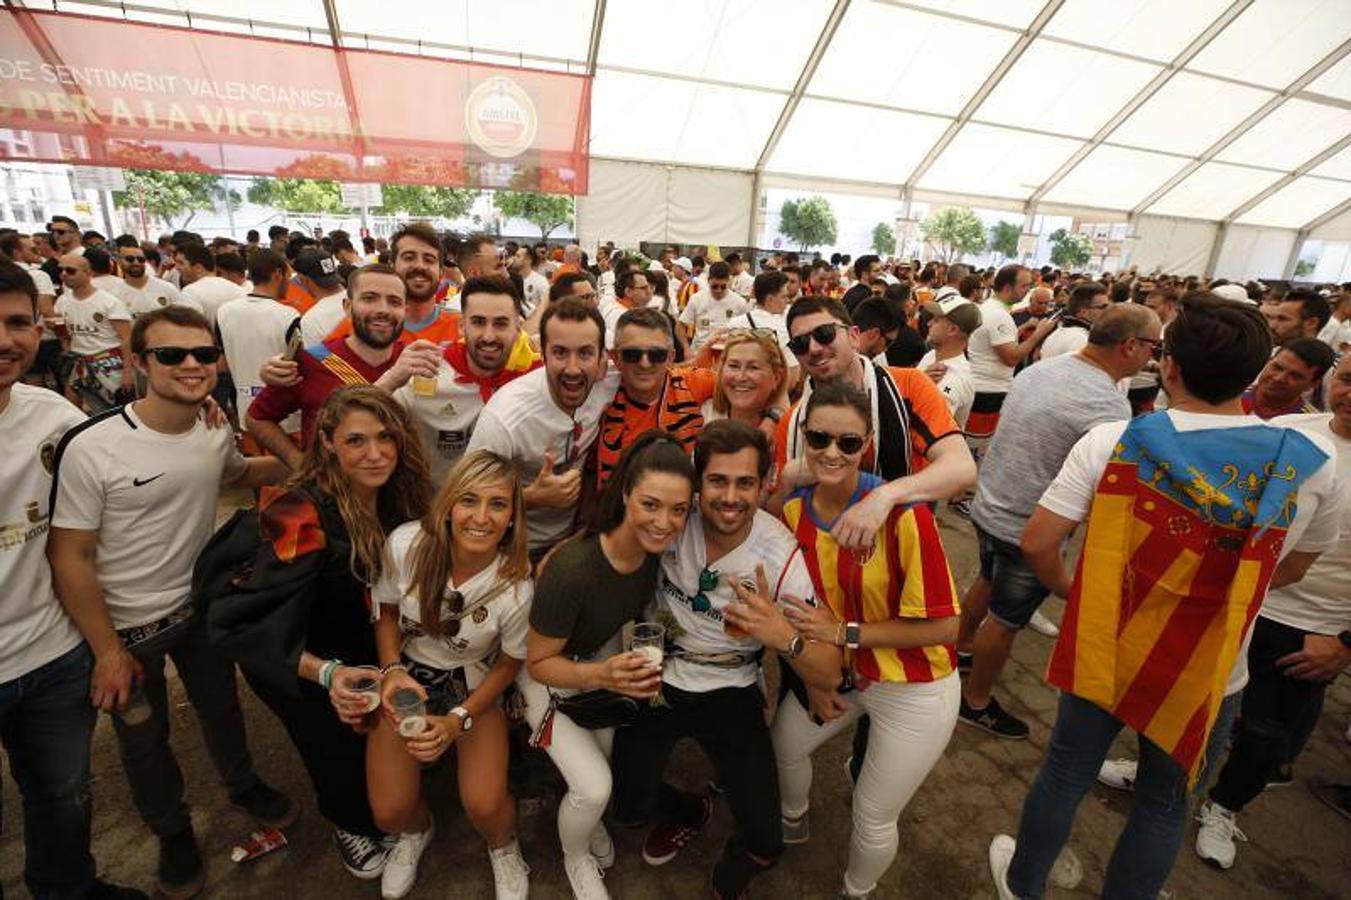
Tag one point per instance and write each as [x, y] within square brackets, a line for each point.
[824, 335]
[634, 355]
[172, 356]
[849, 444]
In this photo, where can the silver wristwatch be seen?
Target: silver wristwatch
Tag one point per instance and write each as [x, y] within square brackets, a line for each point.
[466, 720]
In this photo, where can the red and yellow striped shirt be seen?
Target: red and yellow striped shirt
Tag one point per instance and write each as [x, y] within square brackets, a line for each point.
[904, 576]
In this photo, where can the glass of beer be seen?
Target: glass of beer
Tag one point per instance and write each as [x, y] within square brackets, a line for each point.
[649, 639]
[410, 710]
[368, 686]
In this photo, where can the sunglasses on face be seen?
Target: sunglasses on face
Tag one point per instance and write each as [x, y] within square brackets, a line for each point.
[849, 444]
[634, 355]
[69, 270]
[824, 335]
[57, 232]
[133, 259]
[173, 356]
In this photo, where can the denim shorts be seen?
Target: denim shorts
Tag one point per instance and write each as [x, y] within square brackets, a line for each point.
[1015, 591]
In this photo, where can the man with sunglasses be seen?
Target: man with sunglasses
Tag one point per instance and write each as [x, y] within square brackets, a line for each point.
[134, 502]
[1051, 406]
[98, 329]
[64, 233]
[724, 584]
[711, 308]
[1088, 301]
[142, 291]
[653, 392]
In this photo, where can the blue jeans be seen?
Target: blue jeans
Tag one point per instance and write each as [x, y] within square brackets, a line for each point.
[1147, 847]
[1015, 591]
[45, 726]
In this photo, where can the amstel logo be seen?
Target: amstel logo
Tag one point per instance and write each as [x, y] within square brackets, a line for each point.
[500, 118]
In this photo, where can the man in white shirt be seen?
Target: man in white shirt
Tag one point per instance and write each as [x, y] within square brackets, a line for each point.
[534, 285]
[46, 369]
[724, 584]
[1337, 332]
[470, 372]
[562, 402]
[144, 292]
[199, 281]
[1088, 301]
[771, 305]
[254, 328]
[711, 309]
[135, 493]
[45, 718]
[995, 351]
[1301, 642]
[632, 291]
[1157, 540]
[740, 281]
[98, 328]
[954, 319]
[317, 272]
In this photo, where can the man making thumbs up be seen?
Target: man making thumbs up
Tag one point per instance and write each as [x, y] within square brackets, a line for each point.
[547, 420]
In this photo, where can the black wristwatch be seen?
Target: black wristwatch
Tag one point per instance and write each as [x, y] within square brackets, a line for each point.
[1345, 638]
[853, 635]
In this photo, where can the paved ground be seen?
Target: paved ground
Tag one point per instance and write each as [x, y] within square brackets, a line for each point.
[1298, 849]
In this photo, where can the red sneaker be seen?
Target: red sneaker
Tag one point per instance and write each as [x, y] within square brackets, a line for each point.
[665, 841]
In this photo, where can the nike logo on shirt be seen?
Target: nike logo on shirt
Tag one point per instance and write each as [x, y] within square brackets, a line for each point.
[140, 482]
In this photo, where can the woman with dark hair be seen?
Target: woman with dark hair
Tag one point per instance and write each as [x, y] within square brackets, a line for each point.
[893, 607]
[453, 606]
[591, 586]
[295, 616]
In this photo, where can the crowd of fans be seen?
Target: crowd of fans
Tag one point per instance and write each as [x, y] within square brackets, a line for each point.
[523, 506]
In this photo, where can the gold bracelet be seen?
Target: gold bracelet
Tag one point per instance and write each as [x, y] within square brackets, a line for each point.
[839, 635]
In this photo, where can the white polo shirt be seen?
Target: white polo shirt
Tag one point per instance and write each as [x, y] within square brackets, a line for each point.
[34, 629]
[152, 499]
[705, 314]
[955, 384]
[522, 423]
[156, 294]
[252, 330]
[698, 614]
[989, 374]
[211, 293]
[90, 321]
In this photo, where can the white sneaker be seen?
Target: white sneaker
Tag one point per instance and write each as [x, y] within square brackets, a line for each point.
[796, 831]
[1042, 625]
[1001, 854]
[1215, 837]
[511, 876]
[585, 877]
[401, 869]
[602, 847]
[1119, 773]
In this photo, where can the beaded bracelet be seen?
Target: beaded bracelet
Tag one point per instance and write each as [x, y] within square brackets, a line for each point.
[326, 673]
[394, 666]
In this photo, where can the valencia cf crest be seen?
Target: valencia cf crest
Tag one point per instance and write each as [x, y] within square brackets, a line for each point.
[47, 456]
[98, 317]
[480, 615]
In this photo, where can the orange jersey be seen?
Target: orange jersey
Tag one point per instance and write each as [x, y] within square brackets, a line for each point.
[904, 575]
[679, 411]
[297, 297]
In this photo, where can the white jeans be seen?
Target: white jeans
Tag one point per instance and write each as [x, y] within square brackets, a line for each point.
[911, 726]
[583, 758]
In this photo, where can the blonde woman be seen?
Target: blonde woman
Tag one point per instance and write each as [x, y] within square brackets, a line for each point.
[295, 618]
[454, 606]
[751, 377]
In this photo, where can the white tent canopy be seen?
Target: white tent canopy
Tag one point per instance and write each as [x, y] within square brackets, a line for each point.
[1222, 111]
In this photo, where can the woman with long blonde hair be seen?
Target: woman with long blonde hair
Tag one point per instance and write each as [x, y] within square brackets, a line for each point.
[454, 608]
[296, 619]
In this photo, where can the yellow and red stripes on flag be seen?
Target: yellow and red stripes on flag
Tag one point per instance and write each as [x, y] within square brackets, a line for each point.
[1158, 610]
[904, 575]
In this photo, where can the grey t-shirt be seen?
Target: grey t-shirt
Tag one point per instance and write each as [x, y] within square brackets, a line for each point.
[1050, 406]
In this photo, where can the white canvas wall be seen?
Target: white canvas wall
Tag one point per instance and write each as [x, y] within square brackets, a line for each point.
[1179, 246]
[1251, 252]
[631, 202]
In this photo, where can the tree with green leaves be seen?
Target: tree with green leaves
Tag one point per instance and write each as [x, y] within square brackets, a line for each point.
[547, 212]
[1304, 267]
[953, 231]
[168, 195]
[808, 222]
[425, 201]
[1070, 251]
[884, 239]
[298, 195]
[1004, 239]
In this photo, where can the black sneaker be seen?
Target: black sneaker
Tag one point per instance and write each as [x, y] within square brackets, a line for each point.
[102, 890]
[268, 805]
[181, 873]
[364, 857]
[964, 661]
[994, 719]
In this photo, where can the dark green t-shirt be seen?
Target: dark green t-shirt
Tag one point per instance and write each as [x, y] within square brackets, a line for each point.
[582, 598]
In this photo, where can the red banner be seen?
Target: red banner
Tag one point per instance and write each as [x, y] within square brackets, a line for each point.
[112, 93]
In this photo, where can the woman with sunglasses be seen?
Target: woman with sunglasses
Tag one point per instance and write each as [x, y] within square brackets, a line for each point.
[893, 606]
[295, 615]
[454, 602]
[589, 589]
